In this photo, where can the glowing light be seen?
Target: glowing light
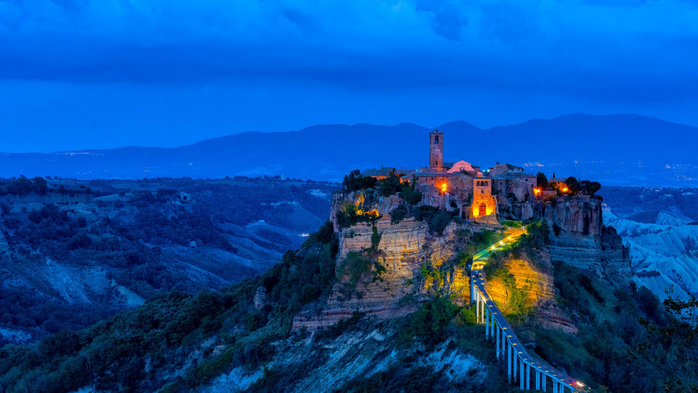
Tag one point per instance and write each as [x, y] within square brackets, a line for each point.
[536, 191]
[565, 189]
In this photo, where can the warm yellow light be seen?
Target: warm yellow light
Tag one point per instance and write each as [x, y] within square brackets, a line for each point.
[565, 189]
[536, 191]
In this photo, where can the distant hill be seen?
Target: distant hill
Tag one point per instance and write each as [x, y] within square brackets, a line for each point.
[327, 152]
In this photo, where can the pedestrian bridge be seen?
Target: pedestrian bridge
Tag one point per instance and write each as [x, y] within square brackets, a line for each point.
[520, 365]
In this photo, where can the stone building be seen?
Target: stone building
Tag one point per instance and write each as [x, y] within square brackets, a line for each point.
[505, 169]
[518, 189]
[436, 150]
[463, 166]
[484, 203]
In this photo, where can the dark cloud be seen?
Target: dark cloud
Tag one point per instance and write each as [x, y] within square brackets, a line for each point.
[613, 54]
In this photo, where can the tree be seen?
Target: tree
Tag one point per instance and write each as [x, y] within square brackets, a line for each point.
[40, 185]
[390, 185]
[591, 187]
[542, 180]
[671, 351]
[573, 184]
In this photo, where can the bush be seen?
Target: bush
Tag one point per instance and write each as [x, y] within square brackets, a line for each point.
[512, 224]
[398, 214]
[355, 181]
[354, 266]
[439, 222]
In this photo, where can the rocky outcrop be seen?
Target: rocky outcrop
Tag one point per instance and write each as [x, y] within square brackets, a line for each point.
[579, 237]
[536, 278]
[664, 253]
[580, 215]
[403, 249]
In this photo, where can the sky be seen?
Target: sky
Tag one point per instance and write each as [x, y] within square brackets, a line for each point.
[78, 74]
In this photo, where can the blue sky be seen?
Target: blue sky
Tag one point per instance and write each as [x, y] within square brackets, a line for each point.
[97, 74]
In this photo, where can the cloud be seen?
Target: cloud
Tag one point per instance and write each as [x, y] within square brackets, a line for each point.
[619, 50]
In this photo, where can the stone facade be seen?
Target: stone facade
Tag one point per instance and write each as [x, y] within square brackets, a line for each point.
[518, 189]
[484, 204]
[504, 169]
[436, 150]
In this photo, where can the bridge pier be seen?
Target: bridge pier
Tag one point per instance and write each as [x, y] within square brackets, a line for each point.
[544, 377]
[528, 376]
[488, 317]
[498, 332]
[509, 355]
[522, 377]
[537, 379]
[515, 359]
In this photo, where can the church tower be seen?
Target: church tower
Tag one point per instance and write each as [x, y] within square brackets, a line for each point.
[436, 150]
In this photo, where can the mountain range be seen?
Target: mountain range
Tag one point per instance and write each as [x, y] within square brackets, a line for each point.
[618, 148]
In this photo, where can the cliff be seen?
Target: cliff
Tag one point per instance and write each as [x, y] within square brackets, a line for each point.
[577, 236]
[403, 249]
[535, 278]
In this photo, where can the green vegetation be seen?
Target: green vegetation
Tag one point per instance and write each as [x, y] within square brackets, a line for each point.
[398, 214]
[390, 185]
[355, 265]
[139, 237]
[610, 330]
[518, 305]
[349, 215]
[429, 323]
[22, 186]
[670, 351]
[439, 222]
[512, 224]
[542, 180]
[355, 181]
[169, 328]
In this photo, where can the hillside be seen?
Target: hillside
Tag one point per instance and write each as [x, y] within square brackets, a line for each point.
[75, 252]
[660, 226]
[243, 338]
[602, 150]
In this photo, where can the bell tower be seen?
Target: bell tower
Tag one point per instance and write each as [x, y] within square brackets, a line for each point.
[436, 150]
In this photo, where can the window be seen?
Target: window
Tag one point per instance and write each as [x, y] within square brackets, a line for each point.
[436, 140]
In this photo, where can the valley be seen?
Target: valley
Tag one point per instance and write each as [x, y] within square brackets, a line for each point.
[76, 252]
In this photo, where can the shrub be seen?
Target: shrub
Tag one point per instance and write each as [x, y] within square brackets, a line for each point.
[439, 222]
[512, 224]
[355, 181]
[354, 266]
[398, 214]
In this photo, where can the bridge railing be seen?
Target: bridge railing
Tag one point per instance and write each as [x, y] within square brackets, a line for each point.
[520, 365]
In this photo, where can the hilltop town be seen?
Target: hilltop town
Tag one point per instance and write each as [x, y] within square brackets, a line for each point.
[487, 196]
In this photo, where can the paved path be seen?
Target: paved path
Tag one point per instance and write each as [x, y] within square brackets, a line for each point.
[501, 322]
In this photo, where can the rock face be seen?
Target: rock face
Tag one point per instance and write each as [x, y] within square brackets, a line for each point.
[664, 253]
[578, 235]
[578, 238]
[537, 279]
[403, 249]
